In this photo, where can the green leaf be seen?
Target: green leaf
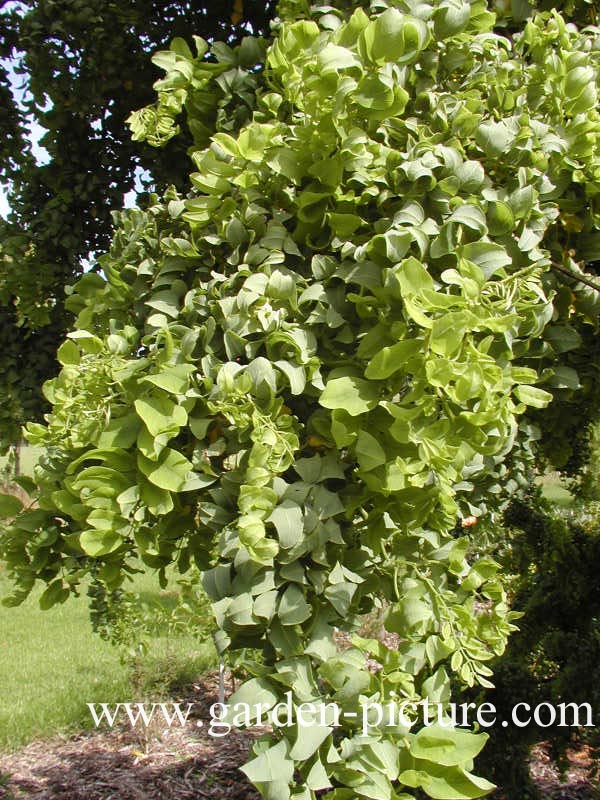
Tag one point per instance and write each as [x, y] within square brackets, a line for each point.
[159, 501]
[396, 37]
[54, 593]
[436, 650]
[87, 341]
[372, 94]
[369, 452]
[174, 379]
[353, 395]
[333, 58]
[308, 741]
[494, 138]
[344, 225]
[388, 38]
[120, 432]
[170, 472]
[160, 415]
[410, 613]
[391, 246]
[99, 543]
[488, 256]
[344, 428]
[295, 374]
[470, 216]
[413, 277]
[293, 608]
[272, 766]
[446, 745]
[10, 506]
[252, 692]
[321, 645]
[445, 783]
[288, 519]
[340, 596]
[564, 378]
[166, 302]
[437, 687]
[448, 333]
[450, 18]
[265, 605]
[562, 338]
[68, 353]
[254, 140]
[285, 161]
[532, 396]
[500, 218]
[394, 358]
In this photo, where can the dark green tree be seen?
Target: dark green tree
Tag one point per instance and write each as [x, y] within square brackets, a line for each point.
[85, 67]
[555, 655]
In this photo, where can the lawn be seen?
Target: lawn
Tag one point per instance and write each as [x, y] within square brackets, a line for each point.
[27, 459]
[554, 490]
[52, 664]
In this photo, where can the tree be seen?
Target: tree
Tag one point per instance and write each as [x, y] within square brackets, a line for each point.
[85, 66]
[306, 373]
[554, 656]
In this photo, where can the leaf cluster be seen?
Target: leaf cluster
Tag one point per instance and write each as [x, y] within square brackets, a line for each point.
[77, 69]
[301, 375]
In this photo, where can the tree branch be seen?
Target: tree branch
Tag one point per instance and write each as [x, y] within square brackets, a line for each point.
[576, 276]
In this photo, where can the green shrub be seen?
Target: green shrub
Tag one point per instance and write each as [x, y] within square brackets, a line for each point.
[303, 375]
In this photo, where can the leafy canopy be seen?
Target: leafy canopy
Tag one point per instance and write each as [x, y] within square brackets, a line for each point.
[77, 68]
[302, 374]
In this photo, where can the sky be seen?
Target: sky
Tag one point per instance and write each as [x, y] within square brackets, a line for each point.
[4, 208]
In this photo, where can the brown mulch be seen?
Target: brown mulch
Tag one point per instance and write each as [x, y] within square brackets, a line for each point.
[159, 763]
[187, 763]
[578, 781]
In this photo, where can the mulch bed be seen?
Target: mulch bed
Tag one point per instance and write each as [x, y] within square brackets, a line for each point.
[157, 763]
[188, 764]
[578, 780]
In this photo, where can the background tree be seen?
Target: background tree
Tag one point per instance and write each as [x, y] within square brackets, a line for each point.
[554, 657]
[84, 66]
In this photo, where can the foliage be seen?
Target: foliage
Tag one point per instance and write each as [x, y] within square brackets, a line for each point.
[515, 12]
[302, 375]
[85, 65]
[7, 792]
[554, 656]
[128, 619]
[586, 483]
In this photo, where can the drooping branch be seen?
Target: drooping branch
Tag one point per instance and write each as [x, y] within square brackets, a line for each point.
[576, 276]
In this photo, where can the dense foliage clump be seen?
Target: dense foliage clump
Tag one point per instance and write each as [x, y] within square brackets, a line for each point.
[75, 69]
[305, 373]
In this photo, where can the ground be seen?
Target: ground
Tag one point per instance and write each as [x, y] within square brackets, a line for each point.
[126, 764]
[188, 764]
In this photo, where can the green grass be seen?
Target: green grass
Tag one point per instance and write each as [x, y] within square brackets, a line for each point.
[28, 459]
[554, 490]
[52, 664]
